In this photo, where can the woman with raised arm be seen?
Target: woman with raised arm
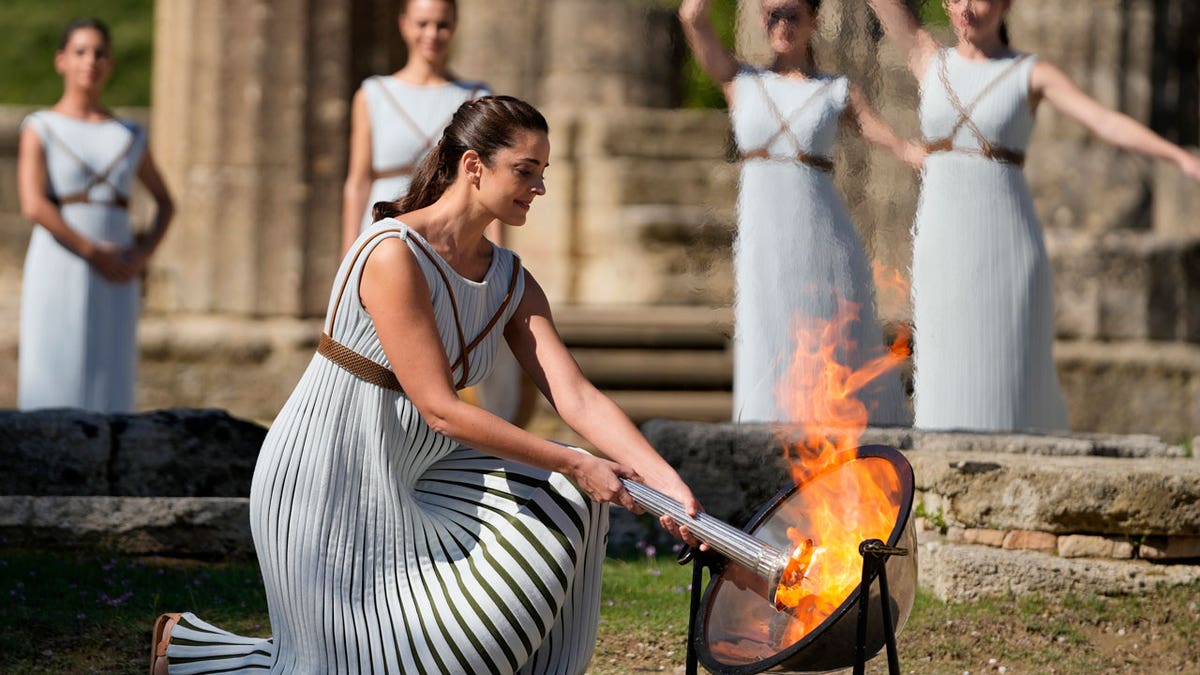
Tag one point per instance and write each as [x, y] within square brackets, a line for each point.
[81, 292]
[797, 254]
[981, 281]
[398, 528]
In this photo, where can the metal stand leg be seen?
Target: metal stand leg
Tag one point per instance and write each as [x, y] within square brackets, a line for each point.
[875, 555]
[699, 561]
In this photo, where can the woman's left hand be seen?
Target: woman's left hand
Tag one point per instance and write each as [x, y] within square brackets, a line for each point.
[1189, 163]
[676, 489]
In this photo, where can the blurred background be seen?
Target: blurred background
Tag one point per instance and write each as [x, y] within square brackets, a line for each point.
[248, 108]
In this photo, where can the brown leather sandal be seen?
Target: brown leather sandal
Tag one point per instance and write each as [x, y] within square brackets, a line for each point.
[160, 640]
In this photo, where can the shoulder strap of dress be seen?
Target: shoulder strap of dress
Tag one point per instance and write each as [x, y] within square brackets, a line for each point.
[404, 114]
[95, 177]
[462, 340]
[965, 112]
[512, 288]
[785, 123]
[337, 303]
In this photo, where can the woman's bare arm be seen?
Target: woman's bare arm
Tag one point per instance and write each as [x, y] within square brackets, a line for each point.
[1047, 81]
[164, 210]
[878, 132]
[396, 295]
[720, 65]
[910, 37]
[357, 188]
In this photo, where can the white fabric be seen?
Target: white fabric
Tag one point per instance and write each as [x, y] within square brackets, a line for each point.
[796, 250]
[386, 547]
[982, 287]
[394, 140]
[78, 332]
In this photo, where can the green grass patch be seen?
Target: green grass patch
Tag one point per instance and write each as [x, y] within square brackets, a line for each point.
[31, 39]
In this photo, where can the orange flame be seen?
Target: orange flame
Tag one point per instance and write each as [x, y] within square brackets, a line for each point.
[848, 504]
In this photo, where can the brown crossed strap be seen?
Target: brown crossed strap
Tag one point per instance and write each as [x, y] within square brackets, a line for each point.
[372, 372]
[411, 167]
[785, 128]
[120, 200]
[986, 147]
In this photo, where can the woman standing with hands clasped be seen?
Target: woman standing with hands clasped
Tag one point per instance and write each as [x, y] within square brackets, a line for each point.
[796, 255]
[981, 282]
[81, 295]
[400, 529]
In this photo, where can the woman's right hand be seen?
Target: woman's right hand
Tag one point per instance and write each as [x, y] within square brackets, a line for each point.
[601, 480]
[111, 262]
[694, 10]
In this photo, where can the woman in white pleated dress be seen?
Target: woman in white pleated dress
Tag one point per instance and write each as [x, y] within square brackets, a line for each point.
[80, 294]
[395, 121]
[400, 529]
[797, 256]
[981, 280]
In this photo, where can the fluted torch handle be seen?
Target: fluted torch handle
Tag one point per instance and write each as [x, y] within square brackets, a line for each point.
[739, 546]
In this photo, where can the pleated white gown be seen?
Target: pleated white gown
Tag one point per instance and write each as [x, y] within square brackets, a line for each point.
[796, 250]
[387, 548]
[982, 287]
[78, 331]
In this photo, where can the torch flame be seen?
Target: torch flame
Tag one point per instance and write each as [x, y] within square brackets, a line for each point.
[856, 502]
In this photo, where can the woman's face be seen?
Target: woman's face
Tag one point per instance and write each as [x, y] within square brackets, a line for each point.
[427, 27]
[789, 23]
[976, 20]
[517, 175]
[85, 62]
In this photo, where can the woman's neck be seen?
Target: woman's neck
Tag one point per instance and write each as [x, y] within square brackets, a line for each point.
[82, 104]
[793, 64]
[423, 73]
[990, 47]
[454, 225]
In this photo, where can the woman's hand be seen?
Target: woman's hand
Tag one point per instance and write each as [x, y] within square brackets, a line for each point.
[1189, 163]
[674, 487]
[111, 262]
[601, 480]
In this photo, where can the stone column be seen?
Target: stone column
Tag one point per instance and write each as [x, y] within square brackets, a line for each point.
[251, 102]
[611, 53]
[503, 43]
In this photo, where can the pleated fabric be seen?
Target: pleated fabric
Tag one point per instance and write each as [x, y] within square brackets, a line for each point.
[796, 251]
[388, 548]
[78, 331]
[981, 280]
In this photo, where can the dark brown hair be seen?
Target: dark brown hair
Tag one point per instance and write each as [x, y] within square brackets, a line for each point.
[79, 24]
[485, 125]
[404, 6]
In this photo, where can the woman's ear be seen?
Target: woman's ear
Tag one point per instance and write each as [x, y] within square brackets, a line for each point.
[472, 167]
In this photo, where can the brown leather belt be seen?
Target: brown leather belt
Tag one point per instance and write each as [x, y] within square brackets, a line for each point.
[988, 151]
[118, 202]
[356, 364]
[823, 163]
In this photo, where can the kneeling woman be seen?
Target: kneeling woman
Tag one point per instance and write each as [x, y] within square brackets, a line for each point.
[398, 528]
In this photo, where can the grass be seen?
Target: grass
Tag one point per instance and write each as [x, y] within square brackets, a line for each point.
[27, 54]
[88, 613]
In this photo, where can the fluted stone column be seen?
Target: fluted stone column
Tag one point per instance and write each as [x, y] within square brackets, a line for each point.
[251, 102]
[503, 42]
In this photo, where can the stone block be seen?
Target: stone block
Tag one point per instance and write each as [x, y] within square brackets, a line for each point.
[964, 573]
[984, 537]
[54, 452]
[1122, 550]
[956, 535]
[1085, 546]
[669, 135]
[1120, 387]
[1176, 205]
[195, 527]
[1172, 547]
[1102, 495]
[1025, 540]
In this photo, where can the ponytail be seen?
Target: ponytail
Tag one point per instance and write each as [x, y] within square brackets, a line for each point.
[484, 125]
[1004, 33]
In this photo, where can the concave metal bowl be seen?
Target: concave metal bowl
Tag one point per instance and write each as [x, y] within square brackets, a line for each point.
[735, 621]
